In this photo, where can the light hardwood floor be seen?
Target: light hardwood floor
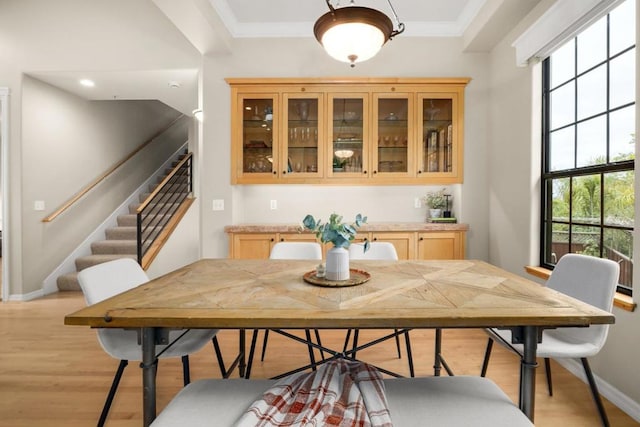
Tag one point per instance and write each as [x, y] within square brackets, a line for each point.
[56, 375]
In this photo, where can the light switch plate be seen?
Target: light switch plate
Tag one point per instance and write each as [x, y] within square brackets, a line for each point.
[218, 204]
[274, 204]
[38, 205]
[417, 203]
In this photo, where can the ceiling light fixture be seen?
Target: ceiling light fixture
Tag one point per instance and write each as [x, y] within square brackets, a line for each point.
[198, 114]
[353, 33]
[87, 83]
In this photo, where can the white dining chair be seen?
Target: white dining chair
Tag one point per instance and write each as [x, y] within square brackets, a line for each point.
[379, 251]
[292, 251]
[105, 280]
[586, 278]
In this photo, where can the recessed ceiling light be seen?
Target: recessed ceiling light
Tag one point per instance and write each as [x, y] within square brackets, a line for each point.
[174, 85]
[87, 83]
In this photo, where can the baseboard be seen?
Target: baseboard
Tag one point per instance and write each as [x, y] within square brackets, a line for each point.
[615, 396]
[27, 297]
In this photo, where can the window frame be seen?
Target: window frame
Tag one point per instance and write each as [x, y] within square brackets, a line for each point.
[548, 177]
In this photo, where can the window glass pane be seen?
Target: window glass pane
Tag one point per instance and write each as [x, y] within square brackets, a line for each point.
[560, 199]
[585, 199]
[563, 64]
[585, 240]
[562, 106]
[592, 142]
[619, 199]
[618, 246]
[592, 45]
[592, 93]
[622, 88]
[622, 24]
[562, 149]
[622, 141]
[257, 145]
[559, 242]
[348, 131]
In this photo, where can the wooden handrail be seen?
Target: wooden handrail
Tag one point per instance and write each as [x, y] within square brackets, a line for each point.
[163, 183]
[102, 177]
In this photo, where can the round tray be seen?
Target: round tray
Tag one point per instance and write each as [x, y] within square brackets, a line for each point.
[357, 277]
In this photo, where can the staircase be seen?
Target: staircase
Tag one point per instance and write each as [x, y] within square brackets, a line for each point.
[121, 240]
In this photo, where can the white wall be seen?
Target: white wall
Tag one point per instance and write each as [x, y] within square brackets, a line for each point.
[514, 194]
[304, 57]
[67, 142]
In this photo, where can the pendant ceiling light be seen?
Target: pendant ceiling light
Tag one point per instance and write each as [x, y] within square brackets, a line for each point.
[354, 34]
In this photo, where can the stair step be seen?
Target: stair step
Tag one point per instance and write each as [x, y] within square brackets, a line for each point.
[126, 232]
[115, 247]
[131, 220]
[154, 207]
[160, 196]
[183, 187]
[68, 282]
[127, 220]
[91, 260]
[122, 233]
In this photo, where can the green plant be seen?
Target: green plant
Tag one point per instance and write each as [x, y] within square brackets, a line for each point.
[335, 231]
[436, 199]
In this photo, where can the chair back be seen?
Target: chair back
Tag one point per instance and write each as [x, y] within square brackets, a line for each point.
[377, 251]
[110, 278]
[296, 250]
[591, 280]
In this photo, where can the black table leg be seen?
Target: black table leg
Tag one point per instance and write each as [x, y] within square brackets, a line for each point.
[528, 371]
[149, 368]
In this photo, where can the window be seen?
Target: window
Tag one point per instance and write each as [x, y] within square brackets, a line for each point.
[589, 144]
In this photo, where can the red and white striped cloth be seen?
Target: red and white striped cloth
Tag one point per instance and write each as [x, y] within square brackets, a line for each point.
[341, 393]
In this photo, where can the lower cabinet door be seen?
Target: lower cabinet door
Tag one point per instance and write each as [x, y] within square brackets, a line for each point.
[441, 245]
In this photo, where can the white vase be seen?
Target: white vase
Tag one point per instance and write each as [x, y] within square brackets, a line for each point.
[337, 264]
[435, 213]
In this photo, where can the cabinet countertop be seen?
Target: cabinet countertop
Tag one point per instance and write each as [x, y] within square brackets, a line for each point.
[369, 227]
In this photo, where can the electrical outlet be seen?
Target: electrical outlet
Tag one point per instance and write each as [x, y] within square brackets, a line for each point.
[218, 205]
[274, 204]
[38, 205]
[417, 203]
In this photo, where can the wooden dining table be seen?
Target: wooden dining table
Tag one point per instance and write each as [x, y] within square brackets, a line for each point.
[272, 294]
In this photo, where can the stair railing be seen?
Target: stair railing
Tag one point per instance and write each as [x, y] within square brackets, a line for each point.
[157, 209]
[106, 174]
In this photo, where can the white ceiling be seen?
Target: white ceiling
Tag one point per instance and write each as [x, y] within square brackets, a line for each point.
[295, 18]
[135, 49]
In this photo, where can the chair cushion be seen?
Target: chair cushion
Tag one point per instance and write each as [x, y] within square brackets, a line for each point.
[447, 401]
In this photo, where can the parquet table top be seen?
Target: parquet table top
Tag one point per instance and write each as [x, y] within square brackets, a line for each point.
[224, 293]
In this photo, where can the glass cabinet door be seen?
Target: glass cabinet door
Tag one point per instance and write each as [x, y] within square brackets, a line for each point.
[302, 135]
[437, 151]
[259, 148]
[392, 139]
[348, 133]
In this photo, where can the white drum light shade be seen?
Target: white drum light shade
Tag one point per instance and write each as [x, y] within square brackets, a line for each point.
[353, 34]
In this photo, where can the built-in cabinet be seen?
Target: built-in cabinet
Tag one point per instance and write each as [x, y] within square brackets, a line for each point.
[352, 131]
[404, 242]
[440, 245]
[254, 245]
[411, 242]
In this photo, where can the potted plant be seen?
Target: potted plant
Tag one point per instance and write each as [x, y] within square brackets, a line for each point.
[340, 235]
[436, 201]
